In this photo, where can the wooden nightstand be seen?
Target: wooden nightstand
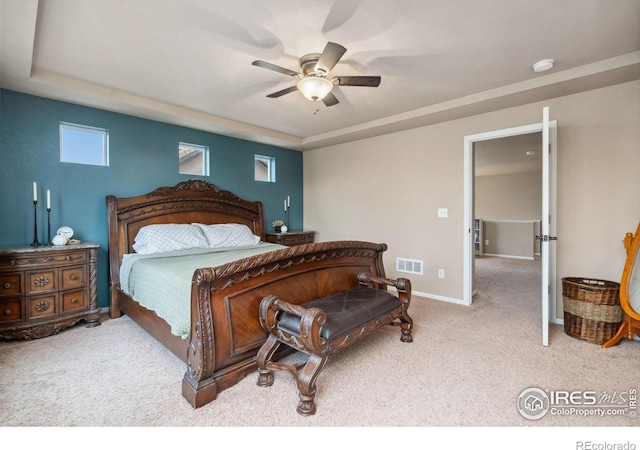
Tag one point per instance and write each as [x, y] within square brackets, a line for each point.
[44, 290]
[291, 238]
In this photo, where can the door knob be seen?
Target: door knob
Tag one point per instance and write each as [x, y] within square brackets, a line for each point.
[546, 238]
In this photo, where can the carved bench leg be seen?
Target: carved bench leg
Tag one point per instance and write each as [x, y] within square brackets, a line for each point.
[406, 326]
[265, 377]
[307, 383]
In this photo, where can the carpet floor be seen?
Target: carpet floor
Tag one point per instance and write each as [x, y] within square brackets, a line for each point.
[466, 367]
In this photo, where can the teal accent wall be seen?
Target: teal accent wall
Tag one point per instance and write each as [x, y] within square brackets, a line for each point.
[143, 155]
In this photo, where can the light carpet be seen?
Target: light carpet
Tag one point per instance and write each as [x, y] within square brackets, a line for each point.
[466, 367]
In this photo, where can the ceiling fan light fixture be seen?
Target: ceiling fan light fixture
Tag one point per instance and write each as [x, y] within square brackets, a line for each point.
[315, 88]
[313, 82]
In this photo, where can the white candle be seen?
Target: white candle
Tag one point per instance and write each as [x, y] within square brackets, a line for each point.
[48, 199]
[288, 202]
[35, 192]
[285, 206]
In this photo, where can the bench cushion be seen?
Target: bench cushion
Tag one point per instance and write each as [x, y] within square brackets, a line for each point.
[345, 311]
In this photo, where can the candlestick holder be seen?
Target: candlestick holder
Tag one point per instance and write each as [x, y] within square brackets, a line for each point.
[35, 242]
[286, 218]
[49, 227]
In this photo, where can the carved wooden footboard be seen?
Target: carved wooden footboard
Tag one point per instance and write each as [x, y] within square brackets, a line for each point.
[225, 333]
[225, 329]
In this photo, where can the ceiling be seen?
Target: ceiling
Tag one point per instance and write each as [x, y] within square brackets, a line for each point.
[188, 62]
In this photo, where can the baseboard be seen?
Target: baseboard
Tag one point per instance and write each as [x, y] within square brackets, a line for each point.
[432, 296]
[441, 298]
[457, 301]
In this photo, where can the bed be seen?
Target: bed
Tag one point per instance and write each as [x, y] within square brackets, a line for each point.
[223, 334]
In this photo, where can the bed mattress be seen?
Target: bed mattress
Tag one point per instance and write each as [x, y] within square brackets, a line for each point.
[161, 282]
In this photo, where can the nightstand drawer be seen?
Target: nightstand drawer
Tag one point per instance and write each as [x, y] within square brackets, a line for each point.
[291, 238]
[54, 256]
[72, 277]
[299, 239]
[10, 310]
[41, 306]
[10, 285]
[73, 300]
[42, 281]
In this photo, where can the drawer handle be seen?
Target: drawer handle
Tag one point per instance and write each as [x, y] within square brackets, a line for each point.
[7, 312]
[7, 285]
[42, 306]
[74, 301]
[42, 281]
[74, 277]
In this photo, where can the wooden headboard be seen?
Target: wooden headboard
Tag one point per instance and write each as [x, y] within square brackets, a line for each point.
[187, 202]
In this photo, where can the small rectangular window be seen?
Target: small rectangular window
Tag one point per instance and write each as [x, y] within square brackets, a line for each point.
[80, 144]
[265, 168]
[193, 159]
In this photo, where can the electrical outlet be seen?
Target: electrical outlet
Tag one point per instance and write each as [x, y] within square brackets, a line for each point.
[440, 273]
[486, 242]
[443, 212]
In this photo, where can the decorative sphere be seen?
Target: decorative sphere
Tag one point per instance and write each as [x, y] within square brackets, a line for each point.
[59, 239]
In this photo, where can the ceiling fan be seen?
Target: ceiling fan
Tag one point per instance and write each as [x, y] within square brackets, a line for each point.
[313, 82]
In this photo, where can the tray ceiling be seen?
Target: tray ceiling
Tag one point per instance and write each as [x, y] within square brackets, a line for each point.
[188, 62]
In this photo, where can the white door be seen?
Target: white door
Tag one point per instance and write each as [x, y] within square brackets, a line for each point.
[547, 226]
[548, 219]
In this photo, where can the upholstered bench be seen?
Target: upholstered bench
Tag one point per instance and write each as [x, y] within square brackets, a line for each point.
[326, 325]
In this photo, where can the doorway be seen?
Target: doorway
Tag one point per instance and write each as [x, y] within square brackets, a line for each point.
[507, 196]
[507, 207]
[548, 291]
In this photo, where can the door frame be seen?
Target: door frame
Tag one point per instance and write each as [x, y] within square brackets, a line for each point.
[468, 211]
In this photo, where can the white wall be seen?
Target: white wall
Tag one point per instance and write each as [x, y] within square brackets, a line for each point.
[389, 188]
[509, 238]
[509, 197]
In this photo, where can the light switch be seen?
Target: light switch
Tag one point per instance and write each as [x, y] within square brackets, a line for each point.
[443, 212]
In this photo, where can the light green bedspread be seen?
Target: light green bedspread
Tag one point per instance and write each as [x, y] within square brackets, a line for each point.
[161, 282]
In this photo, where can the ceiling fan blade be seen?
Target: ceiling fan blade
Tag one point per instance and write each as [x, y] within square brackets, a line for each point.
[283, 92]
[330, 100]
[266, 65]
[370, 81]
[330, 57]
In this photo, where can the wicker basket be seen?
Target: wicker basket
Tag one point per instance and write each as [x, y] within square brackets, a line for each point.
[592, 309]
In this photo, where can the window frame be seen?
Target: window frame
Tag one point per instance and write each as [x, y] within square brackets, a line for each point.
[270, 167]
[205, 162]
[103, 132]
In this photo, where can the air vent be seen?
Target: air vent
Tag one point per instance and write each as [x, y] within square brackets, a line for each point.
[409, 265]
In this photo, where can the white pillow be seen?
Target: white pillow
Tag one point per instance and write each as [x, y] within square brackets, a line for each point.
[168, 237]
[228, 235]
